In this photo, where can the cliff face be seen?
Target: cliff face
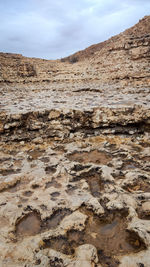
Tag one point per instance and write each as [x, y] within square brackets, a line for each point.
[75, 156]
[124, 58]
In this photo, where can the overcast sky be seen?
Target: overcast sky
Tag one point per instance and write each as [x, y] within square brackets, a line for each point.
[57, 28]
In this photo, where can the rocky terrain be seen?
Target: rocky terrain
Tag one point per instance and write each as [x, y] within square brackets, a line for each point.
[75, 156]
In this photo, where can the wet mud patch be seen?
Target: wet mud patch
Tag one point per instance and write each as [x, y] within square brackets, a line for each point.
[59, 243]
[29, 225]
[93, 178]
[108, 234]
[55, 219]
[95, 184]
[94, 156]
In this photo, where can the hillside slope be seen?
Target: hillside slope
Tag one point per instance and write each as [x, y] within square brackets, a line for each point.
[124, 57]
[140, 29]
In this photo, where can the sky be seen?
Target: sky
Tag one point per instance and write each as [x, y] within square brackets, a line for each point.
[54, 29]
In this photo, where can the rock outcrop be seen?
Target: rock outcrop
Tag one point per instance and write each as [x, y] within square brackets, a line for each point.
[75, 156]
[124, 58]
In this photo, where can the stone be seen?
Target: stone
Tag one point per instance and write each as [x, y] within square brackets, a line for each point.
[74, 221]
[38, 140]
[86, 256]
[22, 143]
[87, 253]
[54, 114]
[146, 207]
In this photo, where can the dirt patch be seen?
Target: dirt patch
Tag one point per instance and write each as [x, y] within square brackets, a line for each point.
[94, 156]
[95, 185]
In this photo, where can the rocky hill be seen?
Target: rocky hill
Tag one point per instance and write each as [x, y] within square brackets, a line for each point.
[124, 58]
[75, 156]
[140, 30]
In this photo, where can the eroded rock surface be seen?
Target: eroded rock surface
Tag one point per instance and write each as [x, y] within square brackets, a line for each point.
[75, 158]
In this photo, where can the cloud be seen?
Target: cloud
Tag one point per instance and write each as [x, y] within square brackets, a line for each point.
[54, 29]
